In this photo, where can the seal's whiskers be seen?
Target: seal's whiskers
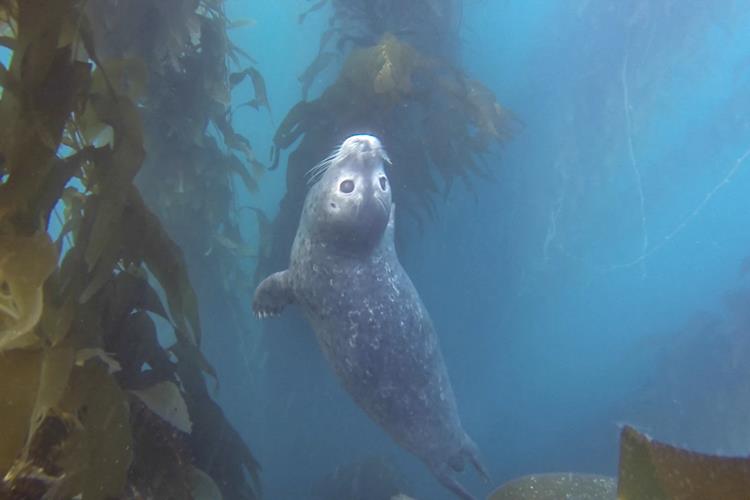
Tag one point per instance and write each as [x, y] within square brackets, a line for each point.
[339, 153]
[384, 156]
[317, 171]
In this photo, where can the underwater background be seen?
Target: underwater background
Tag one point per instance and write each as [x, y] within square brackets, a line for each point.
[572, 182]
[598, 281]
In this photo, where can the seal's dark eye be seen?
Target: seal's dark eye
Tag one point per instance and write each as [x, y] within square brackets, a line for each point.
[347, 186]
[383, 182]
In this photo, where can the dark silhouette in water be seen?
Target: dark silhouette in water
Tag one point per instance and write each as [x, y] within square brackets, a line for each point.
[367, 315]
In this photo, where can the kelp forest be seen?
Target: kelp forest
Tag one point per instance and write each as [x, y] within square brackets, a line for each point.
[95, 269]
[132, 239]
[120, 163]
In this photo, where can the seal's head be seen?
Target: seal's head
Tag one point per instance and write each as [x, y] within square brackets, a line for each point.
[351, 204]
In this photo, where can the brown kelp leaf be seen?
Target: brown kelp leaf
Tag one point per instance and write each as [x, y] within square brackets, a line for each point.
[294, 125]
[133, 291]
[73, 202]
[87, 37]
[258, 168]
[385, 69]
[236, 248]
[123, 163]
[485, 112]
[57, 363]
[325, 37]
[82, 356]
[557, 487]
[97, 454]
[658, 471]
[63, 169]
[92, 129]
[35, 113]
[264, 230]
[235, 166]
[233, 51]
[123, 294]
[105, 264]
[11, 89]
[161, 460]
[320, 63]
[135, 343]
[19, 380]
[40, 25]
[148, 241]
[259, 86]
[236, 78]
[128, 77]
[25, 263]
[212, 431]
[32, 123]
[191, 355]
[232, 139]
[316, 6]
[165, 399]
[8, 42]
[57, 319]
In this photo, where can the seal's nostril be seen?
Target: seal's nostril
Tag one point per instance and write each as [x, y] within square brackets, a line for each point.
[383, 183]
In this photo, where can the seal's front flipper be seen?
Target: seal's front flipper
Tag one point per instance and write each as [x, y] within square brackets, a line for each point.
[272, 295]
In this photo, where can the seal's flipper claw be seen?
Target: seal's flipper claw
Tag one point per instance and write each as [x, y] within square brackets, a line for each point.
[272, 295]
[480, 468]
[472, 453]
[443, 474]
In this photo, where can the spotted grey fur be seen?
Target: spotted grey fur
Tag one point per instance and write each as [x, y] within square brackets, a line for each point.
[367, 315]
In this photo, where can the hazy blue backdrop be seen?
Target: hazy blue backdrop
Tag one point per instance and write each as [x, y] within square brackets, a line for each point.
[597, 282]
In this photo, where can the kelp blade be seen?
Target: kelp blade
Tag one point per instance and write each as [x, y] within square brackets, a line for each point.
[650, 470]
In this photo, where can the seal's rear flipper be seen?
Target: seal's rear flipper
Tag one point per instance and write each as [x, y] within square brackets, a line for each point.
[272, 295]
[444, 474]
[471, 451]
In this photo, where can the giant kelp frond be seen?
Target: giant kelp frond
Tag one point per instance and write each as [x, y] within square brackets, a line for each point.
[194, 156]
[401, 81]
[83, 408]
[195, 153]
[436, 122]
[430, 25]
[652, 469]
[384, 70]
[25, 263]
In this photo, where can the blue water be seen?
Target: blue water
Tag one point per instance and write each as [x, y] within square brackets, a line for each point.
[584, 289]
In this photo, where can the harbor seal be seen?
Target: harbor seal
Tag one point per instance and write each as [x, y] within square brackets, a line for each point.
[369, 320]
